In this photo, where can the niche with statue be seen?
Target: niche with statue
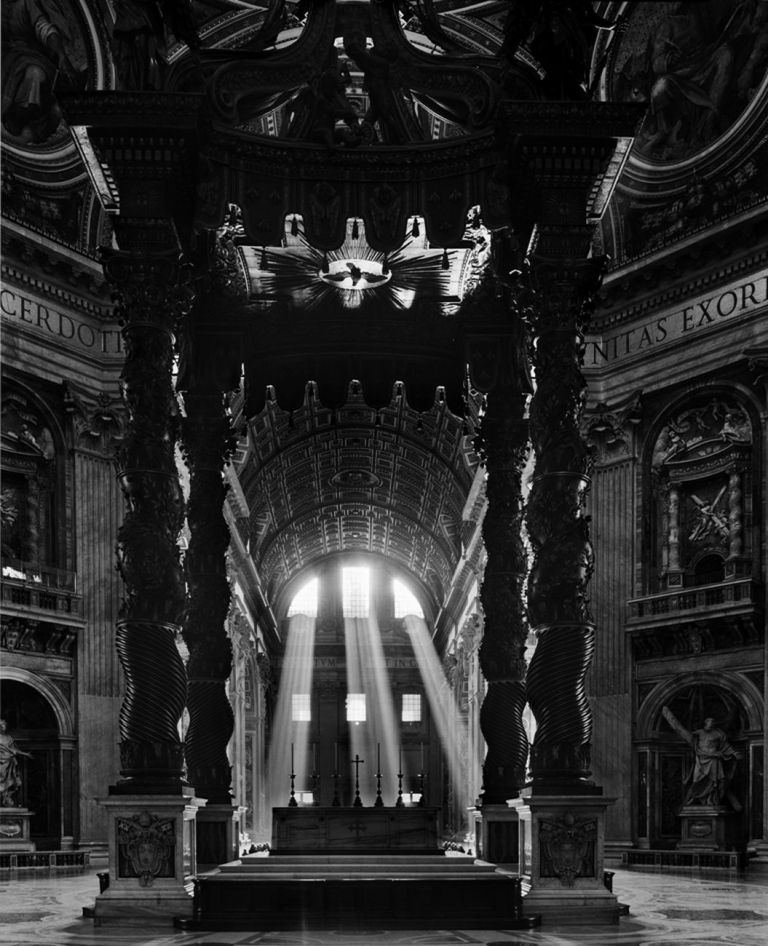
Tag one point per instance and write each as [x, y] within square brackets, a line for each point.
[702, 485]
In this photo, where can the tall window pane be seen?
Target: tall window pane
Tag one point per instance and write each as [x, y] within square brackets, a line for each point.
[356, 708]
[301, 711]
[406, 601]
[411, 708]
[355, 591]
[305, 600]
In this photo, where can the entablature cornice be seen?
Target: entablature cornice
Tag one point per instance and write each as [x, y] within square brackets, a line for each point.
[627, 293]
[34, 262]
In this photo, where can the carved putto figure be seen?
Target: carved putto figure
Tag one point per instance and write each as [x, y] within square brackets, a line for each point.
[714, 763]
[10, 772]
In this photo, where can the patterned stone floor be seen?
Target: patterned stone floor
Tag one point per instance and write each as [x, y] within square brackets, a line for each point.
[42, 908]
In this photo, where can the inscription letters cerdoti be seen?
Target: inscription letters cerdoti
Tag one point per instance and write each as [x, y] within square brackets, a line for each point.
[45, 318]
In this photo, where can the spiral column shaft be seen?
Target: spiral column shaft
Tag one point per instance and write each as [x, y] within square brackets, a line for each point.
[497, 346]
[207, 439]
[558, 529]
[152, 299]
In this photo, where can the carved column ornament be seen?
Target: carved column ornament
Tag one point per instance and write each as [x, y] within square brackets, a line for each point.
[567, 847]
[146, 847]
[153, 294]
[558, 529]
[564, 160]
[209, 367]
[497, 350]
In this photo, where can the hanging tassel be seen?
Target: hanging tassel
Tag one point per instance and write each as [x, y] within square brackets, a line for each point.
[295, 226]
[385, 266]
[355, 230]
[263, 264]
[324, 266]
[445, 262]
[415, 228]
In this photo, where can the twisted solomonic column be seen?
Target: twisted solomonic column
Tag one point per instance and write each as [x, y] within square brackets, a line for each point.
[207, 443]
[209, 367]
[152, 295]
[497, 349]
[559, 532]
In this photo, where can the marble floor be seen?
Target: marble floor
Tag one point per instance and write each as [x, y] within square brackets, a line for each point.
[44, 908]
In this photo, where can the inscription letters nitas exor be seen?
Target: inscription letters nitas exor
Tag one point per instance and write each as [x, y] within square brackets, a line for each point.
[737, 299]
[43, 317]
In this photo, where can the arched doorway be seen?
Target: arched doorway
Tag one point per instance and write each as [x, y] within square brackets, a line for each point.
[47, 776]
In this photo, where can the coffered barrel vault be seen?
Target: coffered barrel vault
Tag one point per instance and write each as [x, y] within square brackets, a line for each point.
[388, 480]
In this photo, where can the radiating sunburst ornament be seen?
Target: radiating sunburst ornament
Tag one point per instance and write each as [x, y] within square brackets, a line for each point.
[354, 275]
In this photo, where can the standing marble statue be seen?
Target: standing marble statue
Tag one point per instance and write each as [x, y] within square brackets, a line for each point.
[10, 777]
[714, 762]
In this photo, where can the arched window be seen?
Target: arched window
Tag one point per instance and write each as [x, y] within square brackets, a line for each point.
[305, 600]
[406, 602]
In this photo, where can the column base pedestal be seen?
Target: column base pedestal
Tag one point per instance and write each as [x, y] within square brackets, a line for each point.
[218, 835]
[14, 830]
[708, 828]
[497, 835]
[562, 855]
[152, 860]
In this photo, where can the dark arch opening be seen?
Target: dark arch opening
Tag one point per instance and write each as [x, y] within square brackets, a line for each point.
[709, 570]
[32, 723]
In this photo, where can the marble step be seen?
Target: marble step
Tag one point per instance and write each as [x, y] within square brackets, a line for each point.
[391, 892]
[357, 866]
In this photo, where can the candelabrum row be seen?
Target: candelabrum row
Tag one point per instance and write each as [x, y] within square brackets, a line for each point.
[357, 803]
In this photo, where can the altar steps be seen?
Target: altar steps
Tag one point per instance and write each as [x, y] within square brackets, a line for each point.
[357, 892]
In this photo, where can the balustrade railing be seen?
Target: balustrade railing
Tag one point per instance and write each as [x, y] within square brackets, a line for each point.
[43, 587]
[724, 596]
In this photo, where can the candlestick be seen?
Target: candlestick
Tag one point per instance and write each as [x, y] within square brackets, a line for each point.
[357, 762]
[422, 756]
[335, 757]
[379, 803]
[292, 803]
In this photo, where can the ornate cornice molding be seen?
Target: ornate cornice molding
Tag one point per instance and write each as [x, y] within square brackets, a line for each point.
[26, 264]
[635, 279]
